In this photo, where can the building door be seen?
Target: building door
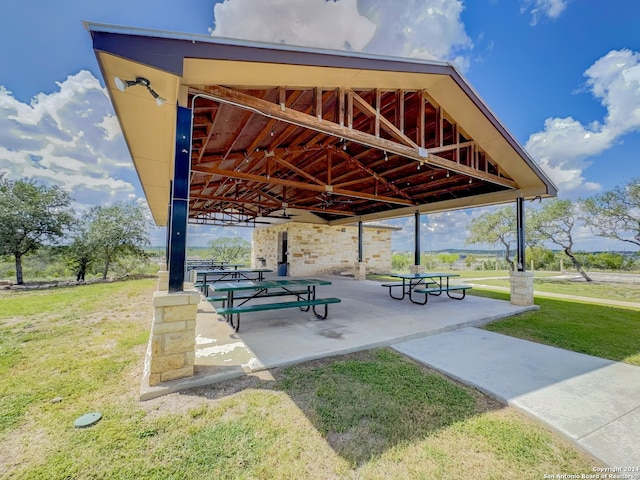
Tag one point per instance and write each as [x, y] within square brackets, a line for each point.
[283, 253]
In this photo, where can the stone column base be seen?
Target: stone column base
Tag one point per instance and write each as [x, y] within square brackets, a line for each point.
[417, 269]
[163, 280]
[360, 271]
[172, 345]
[522, 288]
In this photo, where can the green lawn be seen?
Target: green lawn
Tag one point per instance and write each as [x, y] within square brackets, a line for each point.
[598, 330]
[368, 415]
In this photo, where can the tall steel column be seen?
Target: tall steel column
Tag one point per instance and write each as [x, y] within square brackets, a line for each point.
[417, 239]
[520, 234]
[360, 241]
[180, 201]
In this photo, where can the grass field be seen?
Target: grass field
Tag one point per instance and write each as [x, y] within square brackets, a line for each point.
[599, 330]
[373, 414]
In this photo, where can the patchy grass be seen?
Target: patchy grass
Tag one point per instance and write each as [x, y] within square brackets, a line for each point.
[598, 330]
[367, 415]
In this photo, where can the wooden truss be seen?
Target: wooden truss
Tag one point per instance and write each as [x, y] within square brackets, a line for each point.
[337, 153]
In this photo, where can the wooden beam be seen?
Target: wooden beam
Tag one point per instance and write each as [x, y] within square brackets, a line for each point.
[299, 171]
[380, 120]
[301, 185]
[341, 107]
[377, 176]
[448, 148]
[350, 109]
[421, 120]
[242, 100]
[378, 100]
[400, 110]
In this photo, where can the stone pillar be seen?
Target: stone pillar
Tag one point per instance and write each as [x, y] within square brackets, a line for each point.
[360, 271]
[163, 280]
[172, 344]
[192, 276]
[417, 269]
[522, 288]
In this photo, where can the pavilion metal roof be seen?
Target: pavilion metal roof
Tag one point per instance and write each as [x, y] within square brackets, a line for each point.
[290, 133]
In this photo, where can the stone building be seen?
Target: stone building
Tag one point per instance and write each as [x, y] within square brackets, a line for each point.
[317, 249]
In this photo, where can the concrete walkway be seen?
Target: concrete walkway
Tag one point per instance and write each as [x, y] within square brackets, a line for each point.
[592, 401]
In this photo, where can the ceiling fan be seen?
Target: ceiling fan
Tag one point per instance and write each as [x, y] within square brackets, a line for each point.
[328, 200]
[284, 215]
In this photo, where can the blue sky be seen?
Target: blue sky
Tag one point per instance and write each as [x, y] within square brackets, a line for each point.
[562, 75]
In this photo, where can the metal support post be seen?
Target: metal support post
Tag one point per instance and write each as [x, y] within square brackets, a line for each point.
[520, 234]
[417, 239]
[180, 201]
[360, 241]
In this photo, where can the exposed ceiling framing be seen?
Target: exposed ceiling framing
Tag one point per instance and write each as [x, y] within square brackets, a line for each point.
[336, 153]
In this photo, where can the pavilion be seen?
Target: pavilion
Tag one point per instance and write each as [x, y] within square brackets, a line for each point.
[230, 132]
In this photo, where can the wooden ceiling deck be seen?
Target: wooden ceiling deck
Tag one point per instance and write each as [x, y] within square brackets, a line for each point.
[264, 153]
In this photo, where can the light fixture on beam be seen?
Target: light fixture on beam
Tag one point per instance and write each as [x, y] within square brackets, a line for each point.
[122, 85]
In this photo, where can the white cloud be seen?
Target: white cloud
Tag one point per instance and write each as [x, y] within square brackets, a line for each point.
[312, 23]
[68, 138]
[438, 231]
[541, 9]
[565, 145]
[111, 127]
[427, 29]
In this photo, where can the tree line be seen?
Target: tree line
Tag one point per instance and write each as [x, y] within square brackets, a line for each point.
[33, 216]
[614, 214]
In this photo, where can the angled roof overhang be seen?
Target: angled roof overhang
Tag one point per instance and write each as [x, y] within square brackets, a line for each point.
[331, 137]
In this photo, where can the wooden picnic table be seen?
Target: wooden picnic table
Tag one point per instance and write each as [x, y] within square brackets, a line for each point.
[303, 289]
[428, 283]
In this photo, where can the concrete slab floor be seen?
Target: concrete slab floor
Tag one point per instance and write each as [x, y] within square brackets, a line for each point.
[366, 318]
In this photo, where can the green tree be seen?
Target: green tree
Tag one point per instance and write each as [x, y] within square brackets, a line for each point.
[541, 257]
[448, 258]
[399, 262]
[495, 228]
[121, 229]
[554, 222]
[615, 214]
[229, 249]
[31, 216]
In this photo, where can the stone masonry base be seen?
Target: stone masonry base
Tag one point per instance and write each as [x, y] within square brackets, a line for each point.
[522, 288]
[360, 272]
[171, 349]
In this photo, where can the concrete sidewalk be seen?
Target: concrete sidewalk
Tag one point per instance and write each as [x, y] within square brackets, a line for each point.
[592, 401]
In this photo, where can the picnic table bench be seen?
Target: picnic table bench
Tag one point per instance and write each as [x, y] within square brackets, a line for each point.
[425, 283]
[438, 290]
[304, 290]
[303, 305]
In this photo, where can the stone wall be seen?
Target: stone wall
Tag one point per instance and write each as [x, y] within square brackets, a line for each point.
[321, 249]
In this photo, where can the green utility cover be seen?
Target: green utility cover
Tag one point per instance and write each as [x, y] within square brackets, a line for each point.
[87, 420]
